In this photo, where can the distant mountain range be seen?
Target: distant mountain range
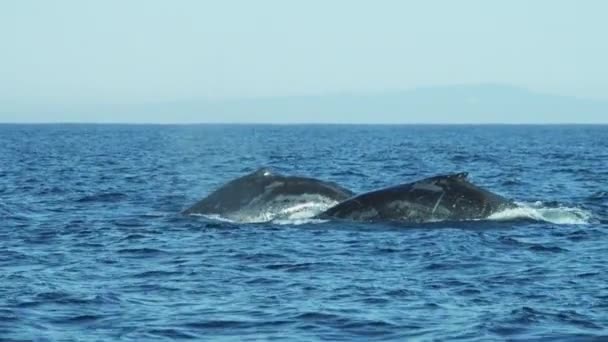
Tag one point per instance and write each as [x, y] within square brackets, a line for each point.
[446, 104]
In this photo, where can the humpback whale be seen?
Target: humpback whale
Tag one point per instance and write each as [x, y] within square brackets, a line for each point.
[264, 195]
[441, 198]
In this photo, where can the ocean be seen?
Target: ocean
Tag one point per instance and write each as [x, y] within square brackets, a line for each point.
[93, 246]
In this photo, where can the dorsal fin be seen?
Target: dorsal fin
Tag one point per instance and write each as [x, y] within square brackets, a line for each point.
[263, 172]
[460, 175]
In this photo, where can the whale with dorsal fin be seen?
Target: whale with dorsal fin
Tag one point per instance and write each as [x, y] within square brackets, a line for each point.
[441, 198]
[264, 195]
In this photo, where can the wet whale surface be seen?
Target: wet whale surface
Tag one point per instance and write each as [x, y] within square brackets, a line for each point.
[449, 197]
[264, 195]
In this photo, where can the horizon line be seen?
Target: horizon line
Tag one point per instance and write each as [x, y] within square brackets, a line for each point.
[307, 123]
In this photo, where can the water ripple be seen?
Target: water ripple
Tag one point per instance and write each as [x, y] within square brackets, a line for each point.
[92, 245]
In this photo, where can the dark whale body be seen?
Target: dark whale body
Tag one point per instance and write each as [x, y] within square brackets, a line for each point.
[264, 195]
[440, 198]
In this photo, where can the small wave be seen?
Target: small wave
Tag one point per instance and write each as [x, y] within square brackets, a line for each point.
[104, 197]
[129, 223]
[156, 274]
[78, 319]
[297, 222]
[58, 297]
[172, 333]
[141, 251]
[543, 248]
[7, 315]
[528, 315]
[599, 195]
[538, 211]
[317, 316]
[297, 267]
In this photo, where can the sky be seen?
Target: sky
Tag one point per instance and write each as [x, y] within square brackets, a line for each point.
[74, 53]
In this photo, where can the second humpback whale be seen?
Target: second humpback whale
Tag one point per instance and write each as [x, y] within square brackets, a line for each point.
[441, 198]
[264, 195]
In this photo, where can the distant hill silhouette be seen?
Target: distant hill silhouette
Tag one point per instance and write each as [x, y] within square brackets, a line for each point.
[445, 104]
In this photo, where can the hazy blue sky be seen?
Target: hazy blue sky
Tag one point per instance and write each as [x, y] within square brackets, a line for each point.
[62, 53]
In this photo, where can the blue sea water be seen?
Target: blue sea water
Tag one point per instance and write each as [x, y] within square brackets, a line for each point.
[93, 245]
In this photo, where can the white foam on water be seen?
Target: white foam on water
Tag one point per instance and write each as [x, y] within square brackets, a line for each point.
[214, 217]
[304, 213]
[539, 212]
[297, 222]
[307, 209]
[297, 214]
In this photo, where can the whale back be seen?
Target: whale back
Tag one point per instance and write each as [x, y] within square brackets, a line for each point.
[234, 194]
[263, 187]
[461, 199]
[445, 197]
